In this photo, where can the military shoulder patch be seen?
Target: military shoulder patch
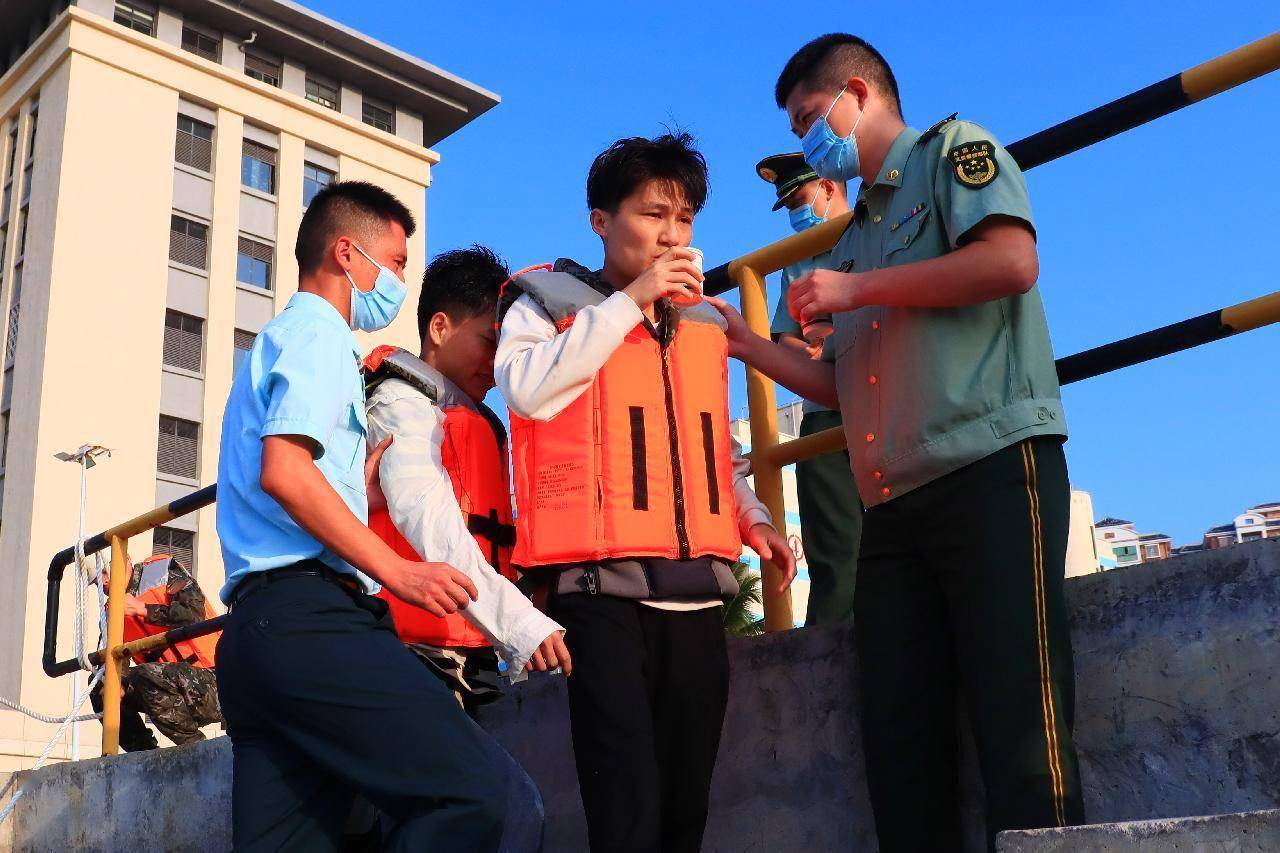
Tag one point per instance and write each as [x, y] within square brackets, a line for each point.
[974, 164]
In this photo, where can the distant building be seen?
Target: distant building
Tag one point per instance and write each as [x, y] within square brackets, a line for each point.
[1258, 522]
[1131, 547]
[1087, 552]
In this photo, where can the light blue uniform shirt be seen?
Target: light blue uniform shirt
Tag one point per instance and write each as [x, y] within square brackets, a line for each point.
[302, 377]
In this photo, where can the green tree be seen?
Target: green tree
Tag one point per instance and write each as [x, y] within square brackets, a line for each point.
[739, 618]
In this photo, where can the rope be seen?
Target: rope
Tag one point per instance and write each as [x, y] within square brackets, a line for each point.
[72, 716]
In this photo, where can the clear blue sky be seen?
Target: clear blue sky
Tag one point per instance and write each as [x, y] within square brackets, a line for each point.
[1168, 221]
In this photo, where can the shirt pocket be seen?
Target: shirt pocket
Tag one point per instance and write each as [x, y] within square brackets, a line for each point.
[842, 336]
[348, 446]
[911, 233]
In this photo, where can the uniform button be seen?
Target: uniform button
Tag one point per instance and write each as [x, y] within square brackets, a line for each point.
[879, 475]
[875, 324]
[876, 219]
[893, 174]
[885, 491]
[874, 380]
[871, 436]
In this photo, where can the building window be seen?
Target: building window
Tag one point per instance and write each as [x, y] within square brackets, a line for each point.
[314, 179]
[135, 16]
[188, 242]
[260, 68]
[179, 544]
[1126, 552]
[323, 92]
[1151, 550]
[194, 145]
[253, 263]
[1249, 537]
[13, 150]
[4, 439]
[183, 340]
[380, 116]
[177, 450]
[258, 167]
[201, 44]
[240, 346]
[11, 330]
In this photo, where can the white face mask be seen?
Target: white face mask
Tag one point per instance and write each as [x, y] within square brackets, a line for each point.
[375, 309]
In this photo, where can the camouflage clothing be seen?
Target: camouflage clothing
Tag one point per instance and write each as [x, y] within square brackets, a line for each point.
[178, 697]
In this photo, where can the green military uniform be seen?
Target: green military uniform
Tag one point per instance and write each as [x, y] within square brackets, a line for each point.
[830, 511]
[955, 429]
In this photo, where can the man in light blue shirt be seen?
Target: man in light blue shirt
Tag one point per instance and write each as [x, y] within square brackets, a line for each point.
[321, 699]
[300, 379]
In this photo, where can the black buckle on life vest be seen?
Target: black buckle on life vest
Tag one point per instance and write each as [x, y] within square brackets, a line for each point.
[499, 534]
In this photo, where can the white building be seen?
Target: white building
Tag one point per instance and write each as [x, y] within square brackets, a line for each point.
[155, 162]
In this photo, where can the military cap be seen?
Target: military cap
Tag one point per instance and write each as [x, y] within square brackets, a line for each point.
[786, 172]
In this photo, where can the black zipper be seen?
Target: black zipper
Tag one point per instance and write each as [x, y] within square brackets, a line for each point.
[677, 475]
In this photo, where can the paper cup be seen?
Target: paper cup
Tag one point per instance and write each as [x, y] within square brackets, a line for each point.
[690, 299]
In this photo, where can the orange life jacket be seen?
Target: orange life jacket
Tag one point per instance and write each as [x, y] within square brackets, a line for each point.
[153, 588]
[474, 453]
[640, 464]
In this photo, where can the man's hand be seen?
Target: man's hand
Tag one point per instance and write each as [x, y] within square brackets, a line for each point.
[134, 607]
[438, 588]
[770, 545]
[738, 332]
[372, 485]
[673, 274]
[822, 293]
[552, 653]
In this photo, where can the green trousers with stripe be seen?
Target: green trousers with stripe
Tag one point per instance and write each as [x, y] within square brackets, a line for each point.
[959, 599]
[830, 526]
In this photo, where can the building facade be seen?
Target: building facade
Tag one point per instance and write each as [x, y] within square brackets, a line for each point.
[1131, 547]
[1258, 522]
[156, 163]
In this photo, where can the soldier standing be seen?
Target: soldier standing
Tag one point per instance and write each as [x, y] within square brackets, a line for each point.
[830, 510]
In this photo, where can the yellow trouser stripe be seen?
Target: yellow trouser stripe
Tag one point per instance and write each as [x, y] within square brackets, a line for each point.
[1042, 642]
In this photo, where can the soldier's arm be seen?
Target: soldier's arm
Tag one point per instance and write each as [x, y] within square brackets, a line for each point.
[997, 259]
[793, 368]
[186, 605]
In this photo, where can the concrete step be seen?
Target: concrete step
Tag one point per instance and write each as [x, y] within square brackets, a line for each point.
[1242, 832]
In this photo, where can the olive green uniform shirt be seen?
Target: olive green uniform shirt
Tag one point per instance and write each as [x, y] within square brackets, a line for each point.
[926, 391]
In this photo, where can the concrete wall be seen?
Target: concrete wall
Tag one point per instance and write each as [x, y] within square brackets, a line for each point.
[1177, 706]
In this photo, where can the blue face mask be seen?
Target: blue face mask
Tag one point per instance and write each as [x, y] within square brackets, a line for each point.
[375, 309]
[832, 157]
[803, 217]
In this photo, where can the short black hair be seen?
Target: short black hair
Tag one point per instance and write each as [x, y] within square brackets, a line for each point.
[462, 283]
[827, 63]
[630, 163]
[353, 207]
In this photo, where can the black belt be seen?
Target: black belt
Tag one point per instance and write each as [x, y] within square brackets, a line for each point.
[304, 569]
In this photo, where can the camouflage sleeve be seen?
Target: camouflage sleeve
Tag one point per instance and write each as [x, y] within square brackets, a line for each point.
[186, 604]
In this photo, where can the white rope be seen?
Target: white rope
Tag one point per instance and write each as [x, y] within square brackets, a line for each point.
[72, 716]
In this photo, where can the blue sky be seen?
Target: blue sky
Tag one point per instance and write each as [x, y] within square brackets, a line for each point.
[1168, 221]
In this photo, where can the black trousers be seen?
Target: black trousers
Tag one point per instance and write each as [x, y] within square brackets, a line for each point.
[831, 526]
[323, 701]
[960, 592]
[646, 704]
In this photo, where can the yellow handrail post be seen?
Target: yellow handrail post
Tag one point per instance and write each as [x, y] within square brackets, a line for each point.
[762, 407]
[111, 680]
